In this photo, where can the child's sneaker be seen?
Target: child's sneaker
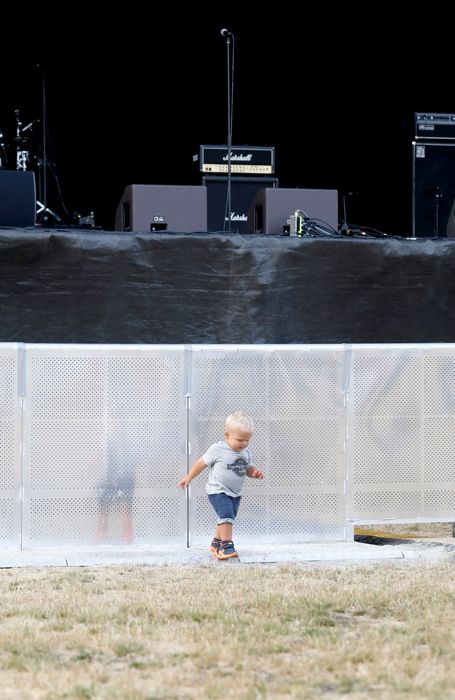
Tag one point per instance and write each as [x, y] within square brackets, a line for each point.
[226, 550]
[214, 547]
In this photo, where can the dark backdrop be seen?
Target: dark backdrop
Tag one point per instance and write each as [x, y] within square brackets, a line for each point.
[97, 287]
[131, 94]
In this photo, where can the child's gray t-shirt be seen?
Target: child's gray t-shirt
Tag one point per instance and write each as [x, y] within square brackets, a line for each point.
[227, 468]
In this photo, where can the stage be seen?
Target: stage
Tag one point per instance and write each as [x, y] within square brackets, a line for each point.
[92, 286]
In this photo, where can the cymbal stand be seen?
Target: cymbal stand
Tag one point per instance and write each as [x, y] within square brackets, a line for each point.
[22, 159]
[3, 158]
[22, 155]
[41, 209]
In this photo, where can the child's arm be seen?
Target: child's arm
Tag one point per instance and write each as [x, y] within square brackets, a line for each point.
[254, 473]
[195, 470]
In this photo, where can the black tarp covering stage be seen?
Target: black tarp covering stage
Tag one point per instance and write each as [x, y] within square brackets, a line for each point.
[73, 286]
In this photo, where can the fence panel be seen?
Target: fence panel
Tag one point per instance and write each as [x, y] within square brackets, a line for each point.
[11, 388]
[401, 427]
[294, 394]
[105, 442]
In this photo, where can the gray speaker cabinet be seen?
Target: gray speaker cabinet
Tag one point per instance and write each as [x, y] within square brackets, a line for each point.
[162, 208]
[272, 208]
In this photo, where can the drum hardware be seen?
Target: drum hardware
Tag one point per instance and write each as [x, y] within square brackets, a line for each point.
[43, 213]
[3, 158]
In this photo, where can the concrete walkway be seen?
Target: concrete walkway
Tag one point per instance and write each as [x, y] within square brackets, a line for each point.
[327, 553]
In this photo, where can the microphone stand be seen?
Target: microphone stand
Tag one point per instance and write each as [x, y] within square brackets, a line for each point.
[41, 203]
[43, 179]
[345, 228]
[230, 103]
[437, 199]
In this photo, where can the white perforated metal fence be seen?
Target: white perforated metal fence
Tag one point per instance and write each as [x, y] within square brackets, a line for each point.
[294, 395]
[11, 356]
[104, 433]
[401, 427]
[95, 438]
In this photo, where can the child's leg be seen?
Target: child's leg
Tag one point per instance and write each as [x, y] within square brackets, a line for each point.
[104, 493]
[226, 508]
[126, 522]
[101, 529]
[224, 531]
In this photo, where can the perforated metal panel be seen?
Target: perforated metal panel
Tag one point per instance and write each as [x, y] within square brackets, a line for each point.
[294, 394]
[401, 420]
[104, 431]
[105, 443]
[10, 445]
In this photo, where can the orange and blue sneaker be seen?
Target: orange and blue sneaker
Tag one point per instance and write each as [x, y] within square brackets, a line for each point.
[214, 547]
[226, 550]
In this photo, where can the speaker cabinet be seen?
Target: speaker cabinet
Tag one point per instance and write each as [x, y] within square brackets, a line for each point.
[271, 209]
[162, 208]
[243, 191]
[17, 198]
[433, 191]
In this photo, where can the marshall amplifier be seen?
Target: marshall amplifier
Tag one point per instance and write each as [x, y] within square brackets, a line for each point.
[434, 126]
[243, 191]
[245, 160]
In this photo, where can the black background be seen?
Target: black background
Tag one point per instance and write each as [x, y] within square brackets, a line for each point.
[131, 94]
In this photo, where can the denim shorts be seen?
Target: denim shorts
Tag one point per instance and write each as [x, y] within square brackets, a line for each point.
[225, 506]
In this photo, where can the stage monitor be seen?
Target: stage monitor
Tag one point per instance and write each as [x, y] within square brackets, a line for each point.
[162, 208]
[17, 198]
[272, 208]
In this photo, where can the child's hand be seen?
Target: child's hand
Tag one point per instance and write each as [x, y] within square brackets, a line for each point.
[254, 473]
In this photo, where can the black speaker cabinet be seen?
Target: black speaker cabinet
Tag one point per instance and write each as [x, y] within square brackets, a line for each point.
[433, 191]
[17, 198]
[162, 208]
[271, 209]
[243, 191]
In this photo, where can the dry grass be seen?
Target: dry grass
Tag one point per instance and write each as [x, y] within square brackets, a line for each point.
[413, 530]
[228, 631]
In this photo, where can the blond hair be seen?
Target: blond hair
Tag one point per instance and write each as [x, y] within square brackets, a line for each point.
[239, 420]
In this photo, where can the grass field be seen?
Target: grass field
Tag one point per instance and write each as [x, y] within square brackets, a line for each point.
[411, 530]
[228, 631]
